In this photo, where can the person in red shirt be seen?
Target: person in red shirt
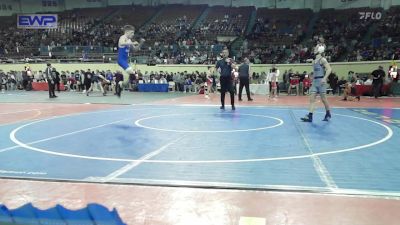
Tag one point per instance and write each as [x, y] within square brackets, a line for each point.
[294, 83]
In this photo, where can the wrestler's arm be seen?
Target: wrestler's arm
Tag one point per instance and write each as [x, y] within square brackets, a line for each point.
[328, 69]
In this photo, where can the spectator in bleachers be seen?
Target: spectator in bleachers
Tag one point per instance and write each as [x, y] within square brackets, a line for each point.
[174, 41]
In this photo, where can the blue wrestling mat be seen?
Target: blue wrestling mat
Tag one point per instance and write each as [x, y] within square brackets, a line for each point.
[253, 147]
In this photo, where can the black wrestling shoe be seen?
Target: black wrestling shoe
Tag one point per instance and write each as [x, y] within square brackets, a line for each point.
[233, 107]
[222, 107]
[307, 118]
[358, 98]
[328, 116]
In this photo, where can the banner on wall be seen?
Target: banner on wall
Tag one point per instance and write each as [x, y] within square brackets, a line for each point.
[37, 21]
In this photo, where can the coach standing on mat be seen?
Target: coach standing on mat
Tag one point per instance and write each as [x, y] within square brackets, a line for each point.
[50, 78]
[244, 78]
[224, 67]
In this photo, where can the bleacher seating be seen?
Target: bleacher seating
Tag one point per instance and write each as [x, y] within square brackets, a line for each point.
[278, 35]
[224, 21]
[385, 40]
[93, 214]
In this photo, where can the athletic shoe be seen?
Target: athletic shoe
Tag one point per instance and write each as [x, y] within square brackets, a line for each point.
[328, 116]
[307, 118]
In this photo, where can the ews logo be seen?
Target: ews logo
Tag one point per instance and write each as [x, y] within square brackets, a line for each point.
[37, 21]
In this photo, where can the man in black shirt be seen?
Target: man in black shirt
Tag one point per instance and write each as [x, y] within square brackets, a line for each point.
[244, 77]
[377, 81]
[57, 79]
[87, 81]
[50, 78]
[119, 78]
[332, 81]
[224, 67]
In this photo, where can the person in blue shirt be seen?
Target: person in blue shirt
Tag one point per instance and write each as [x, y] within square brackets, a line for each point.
[78, 80]
[321, 69]
[224, 67]
[125, 43]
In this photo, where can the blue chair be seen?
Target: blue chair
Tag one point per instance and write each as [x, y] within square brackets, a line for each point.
[117, 218]
[101, 215]
[75, 217]
[25, 215]
[49, 217]
[5, 215]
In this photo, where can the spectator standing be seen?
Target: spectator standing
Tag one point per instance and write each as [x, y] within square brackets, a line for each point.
[394, 76]
[57, 79]
[50, 79]
[87, 80]
[273, 82]
[244, 79]
[377, 82]
[333, 80]
[119, 78]
[276, 73]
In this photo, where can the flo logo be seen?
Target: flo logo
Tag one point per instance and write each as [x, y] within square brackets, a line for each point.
[370, 15]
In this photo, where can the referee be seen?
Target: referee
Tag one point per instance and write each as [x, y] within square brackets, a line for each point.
[224, 67]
